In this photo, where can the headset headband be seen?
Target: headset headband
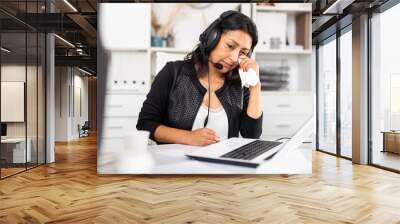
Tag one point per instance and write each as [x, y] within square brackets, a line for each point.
[210, 37]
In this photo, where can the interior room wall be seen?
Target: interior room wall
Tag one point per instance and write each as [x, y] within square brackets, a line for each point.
[62, 80]
[70, 84]
[34, 104]
[190, 21]
[17, 73]
[80, 109]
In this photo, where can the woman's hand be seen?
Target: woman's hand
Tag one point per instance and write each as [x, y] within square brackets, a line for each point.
[202, 137]
[254, 108]
[246, 64]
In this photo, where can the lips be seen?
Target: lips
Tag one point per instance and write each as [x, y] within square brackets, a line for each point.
[226, 65]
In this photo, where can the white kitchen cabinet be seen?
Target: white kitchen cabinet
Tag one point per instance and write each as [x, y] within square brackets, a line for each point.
[285, 113]
[123, 105]
[287, 103]
[128, 72]
[116, 127]
[284, 57]
[116, 34]
[121, 112]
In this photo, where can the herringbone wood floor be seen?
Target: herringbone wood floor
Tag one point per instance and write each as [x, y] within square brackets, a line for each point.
[70, 191]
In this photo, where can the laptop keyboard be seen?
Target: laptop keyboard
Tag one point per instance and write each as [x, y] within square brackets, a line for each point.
[251, 150]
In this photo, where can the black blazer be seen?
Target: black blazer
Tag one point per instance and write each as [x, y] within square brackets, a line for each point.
[176, 95]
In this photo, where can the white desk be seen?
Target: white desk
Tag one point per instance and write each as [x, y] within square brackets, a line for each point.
[19, 149]
[171, 159]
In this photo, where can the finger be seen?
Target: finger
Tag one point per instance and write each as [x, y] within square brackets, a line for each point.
[205, 133]
[212, 137]
[210, 131]
[211, 142]
[214, 133]
[242, 62]
[252, 64]
[245, 65]
[205, 142]
[248, 64]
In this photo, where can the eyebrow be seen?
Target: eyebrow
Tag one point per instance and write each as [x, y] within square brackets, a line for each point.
[237, 44]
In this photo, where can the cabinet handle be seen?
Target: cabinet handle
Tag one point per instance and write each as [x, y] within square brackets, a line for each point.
[115, 105]
[283, 105]
[283, 126]
[114, 127]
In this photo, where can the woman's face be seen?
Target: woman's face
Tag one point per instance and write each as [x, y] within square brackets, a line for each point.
[232, 45]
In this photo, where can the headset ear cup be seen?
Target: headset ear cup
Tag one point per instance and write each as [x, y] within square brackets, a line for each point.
[211, 36]
[213, 39]
[202, 38]
[213, 33]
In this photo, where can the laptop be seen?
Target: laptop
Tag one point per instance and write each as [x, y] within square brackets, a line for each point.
[250, 152]
[238, 151]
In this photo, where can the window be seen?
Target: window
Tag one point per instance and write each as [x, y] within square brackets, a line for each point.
[385, 89]
[346, 93]
[23, 79]
[327, 97]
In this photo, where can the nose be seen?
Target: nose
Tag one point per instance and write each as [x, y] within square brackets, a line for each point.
[234, 57]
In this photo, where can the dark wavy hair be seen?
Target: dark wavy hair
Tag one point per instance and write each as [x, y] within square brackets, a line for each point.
[237, 21]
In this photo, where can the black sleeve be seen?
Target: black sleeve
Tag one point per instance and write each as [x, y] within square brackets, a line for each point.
[155, 106]
[249, 127]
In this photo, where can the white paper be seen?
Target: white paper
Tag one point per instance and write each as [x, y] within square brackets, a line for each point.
[248, 78]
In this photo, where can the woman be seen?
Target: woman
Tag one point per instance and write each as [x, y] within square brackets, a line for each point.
[200, 100]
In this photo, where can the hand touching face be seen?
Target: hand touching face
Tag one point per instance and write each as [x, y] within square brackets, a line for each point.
[232, 45]
[248, 63]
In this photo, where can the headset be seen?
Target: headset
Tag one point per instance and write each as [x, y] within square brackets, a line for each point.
[208, 41]
[211, 36]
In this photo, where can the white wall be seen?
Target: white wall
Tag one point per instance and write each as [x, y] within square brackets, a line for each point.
[81, 94]
[17, 73]
[12, 73]
[189, 22]
[61, 103]
[70, 84]
[33, 126]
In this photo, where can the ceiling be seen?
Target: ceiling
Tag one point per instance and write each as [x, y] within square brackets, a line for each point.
[333, 15]
[72, 20]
